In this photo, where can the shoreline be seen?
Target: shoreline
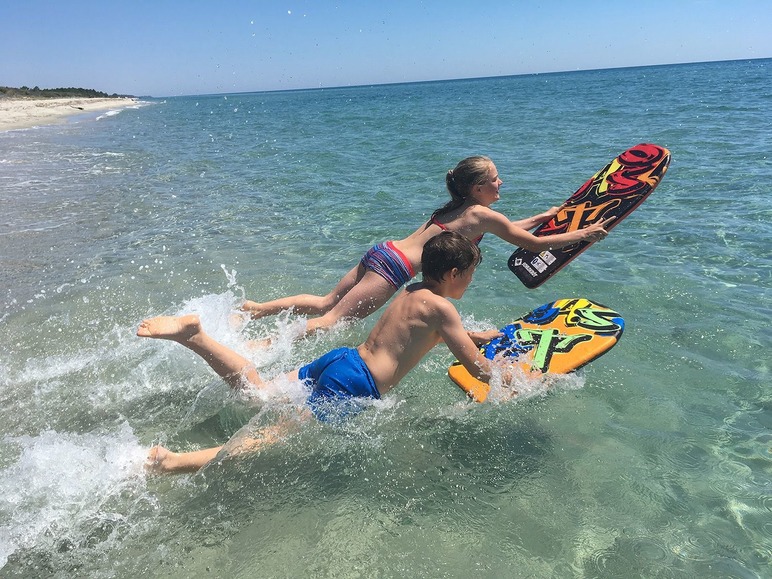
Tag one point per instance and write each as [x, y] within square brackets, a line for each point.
[26, 113]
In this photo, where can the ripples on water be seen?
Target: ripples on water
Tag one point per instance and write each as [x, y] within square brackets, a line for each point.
[653, 461]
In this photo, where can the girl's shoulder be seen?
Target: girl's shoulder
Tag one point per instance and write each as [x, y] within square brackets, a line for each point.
[470, 216]
[483, 213]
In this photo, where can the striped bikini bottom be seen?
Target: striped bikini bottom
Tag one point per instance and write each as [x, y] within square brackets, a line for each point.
[389, 263]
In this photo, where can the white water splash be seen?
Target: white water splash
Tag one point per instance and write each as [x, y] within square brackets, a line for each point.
[60, 480]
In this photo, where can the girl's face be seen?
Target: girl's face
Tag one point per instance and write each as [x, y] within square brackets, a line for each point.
[487, 193]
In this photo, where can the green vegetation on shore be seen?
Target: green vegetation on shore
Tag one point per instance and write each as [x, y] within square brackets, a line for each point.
[51, 93]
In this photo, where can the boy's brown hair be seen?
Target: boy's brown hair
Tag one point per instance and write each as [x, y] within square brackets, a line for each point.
[445, 251]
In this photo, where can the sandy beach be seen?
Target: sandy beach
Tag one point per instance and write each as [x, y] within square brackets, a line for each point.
[21, 113]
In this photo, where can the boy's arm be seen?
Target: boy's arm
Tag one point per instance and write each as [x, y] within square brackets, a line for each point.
[461, 345]
[480, 338]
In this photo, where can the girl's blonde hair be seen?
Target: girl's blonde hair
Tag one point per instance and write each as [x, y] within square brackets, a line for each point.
[460, 181]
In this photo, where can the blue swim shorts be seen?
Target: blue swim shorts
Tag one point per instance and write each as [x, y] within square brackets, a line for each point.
[337, 380]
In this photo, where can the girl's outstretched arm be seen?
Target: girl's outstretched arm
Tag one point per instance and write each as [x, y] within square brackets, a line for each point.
[502, 227]
[530, 222]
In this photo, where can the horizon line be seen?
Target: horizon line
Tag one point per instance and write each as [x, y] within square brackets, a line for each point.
[437, 80]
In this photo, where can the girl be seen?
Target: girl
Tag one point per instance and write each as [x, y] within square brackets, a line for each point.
[473, 186]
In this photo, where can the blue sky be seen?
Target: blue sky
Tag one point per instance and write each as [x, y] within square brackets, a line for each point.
[170, 47]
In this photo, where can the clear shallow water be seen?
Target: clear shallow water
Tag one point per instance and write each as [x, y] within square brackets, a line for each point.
[653, 461]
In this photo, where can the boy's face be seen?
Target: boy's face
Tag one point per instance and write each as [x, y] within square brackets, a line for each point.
[461, 280]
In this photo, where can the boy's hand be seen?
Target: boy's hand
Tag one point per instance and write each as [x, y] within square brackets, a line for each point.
[480, 338]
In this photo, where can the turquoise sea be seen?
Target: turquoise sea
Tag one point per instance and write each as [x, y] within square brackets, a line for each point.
[653, 461]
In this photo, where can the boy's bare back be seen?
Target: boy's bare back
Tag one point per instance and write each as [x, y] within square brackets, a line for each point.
[419, 318]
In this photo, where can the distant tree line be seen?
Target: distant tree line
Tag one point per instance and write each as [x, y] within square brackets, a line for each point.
[51, 93]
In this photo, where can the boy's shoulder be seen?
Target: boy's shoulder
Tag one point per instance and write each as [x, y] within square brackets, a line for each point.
[421, 289]
[428, 296]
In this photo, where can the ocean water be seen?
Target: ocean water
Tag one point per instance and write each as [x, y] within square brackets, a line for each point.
[653, 461]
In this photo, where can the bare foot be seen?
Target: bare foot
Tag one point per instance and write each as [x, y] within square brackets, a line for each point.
[259, 345]
[237, 322]
[159, 460]
[179, 329]
[253, 309]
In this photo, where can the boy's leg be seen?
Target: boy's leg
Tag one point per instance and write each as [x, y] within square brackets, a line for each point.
[230, 365]
[186, 330]
[162, 460]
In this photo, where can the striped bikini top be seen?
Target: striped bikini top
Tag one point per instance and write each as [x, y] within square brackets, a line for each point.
[445, 228]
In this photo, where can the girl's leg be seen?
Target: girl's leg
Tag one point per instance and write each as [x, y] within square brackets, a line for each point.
[305, 304]
[186, 330]
[369, 294]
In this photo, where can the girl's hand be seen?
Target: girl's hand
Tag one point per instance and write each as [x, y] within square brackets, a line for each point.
[597, 231]
[551, 212]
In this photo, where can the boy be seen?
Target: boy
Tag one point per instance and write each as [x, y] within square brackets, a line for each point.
[418, 319]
